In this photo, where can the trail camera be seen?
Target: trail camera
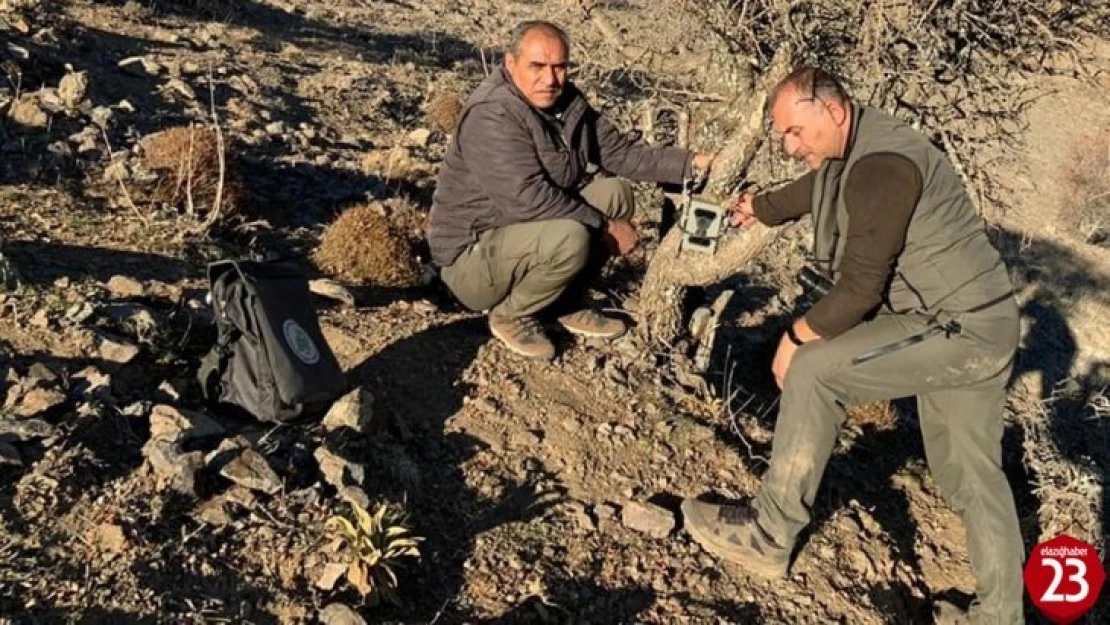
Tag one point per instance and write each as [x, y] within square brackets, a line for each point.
[703, 224]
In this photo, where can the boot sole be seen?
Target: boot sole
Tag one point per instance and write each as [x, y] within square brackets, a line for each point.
[594, 335]
[518, 351]
[746, 559]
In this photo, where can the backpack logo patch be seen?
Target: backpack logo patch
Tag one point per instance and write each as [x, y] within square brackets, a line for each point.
[300, 343]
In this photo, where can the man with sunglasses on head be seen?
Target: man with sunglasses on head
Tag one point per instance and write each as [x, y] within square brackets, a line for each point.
[520, 224]
[920, 305]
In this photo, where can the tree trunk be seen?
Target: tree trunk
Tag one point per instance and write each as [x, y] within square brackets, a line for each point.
[670, 270]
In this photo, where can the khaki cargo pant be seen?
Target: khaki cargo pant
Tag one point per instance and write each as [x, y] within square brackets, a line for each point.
[960, 385]
[523, 268]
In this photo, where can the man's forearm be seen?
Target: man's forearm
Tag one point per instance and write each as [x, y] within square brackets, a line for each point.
[789, 202]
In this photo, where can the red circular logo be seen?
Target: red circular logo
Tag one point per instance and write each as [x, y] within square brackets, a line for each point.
[1064, 578]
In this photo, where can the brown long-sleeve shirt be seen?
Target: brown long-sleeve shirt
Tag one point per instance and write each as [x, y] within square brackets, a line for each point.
[880, 194]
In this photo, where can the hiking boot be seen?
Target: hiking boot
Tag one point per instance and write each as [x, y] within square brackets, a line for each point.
[522, 335]
[947, 613]
[733, 533]
[592, 324]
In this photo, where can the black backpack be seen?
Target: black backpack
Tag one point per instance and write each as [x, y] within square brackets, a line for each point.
[270, 357]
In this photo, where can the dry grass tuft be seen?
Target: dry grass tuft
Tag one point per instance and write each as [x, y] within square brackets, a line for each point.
[186, 161]
[397, 163]
[443, 112]
[364, 246]
[878, 414]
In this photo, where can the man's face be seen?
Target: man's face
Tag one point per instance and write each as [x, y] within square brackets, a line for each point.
[812, 130]
[540, 70]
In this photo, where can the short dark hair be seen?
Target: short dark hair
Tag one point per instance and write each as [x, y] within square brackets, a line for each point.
[819, 83]
[548, 28]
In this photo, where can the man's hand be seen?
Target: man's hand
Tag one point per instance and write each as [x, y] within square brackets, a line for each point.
[742, 212]
[621, 237]
[784, 355]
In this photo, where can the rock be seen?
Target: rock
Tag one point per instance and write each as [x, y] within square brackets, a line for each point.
[135, 317]
[275, 128]
[170, 390]
[420, 137]
[38, 401]
[91, 382]
[582, 519]
[339, 614]
[41, 372]
[356, 496]
[173, 466]
[25, 429]
[114, 349]
[213, 512]
[79, 313]
[337, 471]
[9, 455]
[26, 111]
[648, 518]
[125, 286]
[355, 410]
[330, 575]
[174, 424]
[250, 469]
[110, 538]
[73, 88]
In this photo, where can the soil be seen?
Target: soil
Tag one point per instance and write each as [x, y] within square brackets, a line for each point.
[525, 479]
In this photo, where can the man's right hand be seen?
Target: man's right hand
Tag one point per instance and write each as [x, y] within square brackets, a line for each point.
[621, 237]
[742, 211]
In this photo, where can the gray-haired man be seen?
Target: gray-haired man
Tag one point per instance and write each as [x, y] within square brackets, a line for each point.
[518, 222]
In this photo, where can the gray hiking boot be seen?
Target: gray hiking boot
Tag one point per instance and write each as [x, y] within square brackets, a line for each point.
[732, 533]
[592, 324]
[522, 335]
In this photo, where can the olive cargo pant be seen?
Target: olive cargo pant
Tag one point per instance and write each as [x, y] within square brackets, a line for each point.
[960, 384]
[523, 268]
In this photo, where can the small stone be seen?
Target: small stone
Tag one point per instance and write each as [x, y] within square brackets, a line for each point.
[115, 349]
[91, 382]
[330, 575]
[581, 517]
[606, 511]
[275, 128]
[213, 512]
[648, 518]
[26, 111]
[251, 470]
[110, 538]
[339, 614]
[355, 410]
[177, 468]
[79, 313]
[338, 471]
[73, 88]
[170, 423]
[125, 286]
[26, 429]
[356, 496]
[38, 401]
[420, 137]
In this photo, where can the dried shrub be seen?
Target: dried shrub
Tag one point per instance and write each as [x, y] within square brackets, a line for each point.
[878, 414]
[1086, 208]
[397, 163]
[443, 111]
[362, 246]
[186, 162]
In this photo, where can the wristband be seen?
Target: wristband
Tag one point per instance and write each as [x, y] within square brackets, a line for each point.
[793, 336]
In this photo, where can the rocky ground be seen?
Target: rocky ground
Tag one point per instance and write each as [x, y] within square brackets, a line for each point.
[542, 492]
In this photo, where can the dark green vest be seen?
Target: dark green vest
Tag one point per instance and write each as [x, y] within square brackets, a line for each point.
[947, 264]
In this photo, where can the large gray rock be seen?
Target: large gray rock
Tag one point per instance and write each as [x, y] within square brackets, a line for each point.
[175, 424]
[250, 469]
[174, 467]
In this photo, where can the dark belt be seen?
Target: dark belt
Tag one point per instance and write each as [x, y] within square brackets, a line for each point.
[950, 329]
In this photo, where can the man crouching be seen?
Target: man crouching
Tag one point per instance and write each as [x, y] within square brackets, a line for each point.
[518, 225]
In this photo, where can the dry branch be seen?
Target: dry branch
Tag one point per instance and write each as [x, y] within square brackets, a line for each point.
[671, 270]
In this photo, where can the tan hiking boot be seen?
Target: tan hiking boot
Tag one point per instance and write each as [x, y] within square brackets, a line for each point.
[732, 533]
[592, 324]
[522, 335]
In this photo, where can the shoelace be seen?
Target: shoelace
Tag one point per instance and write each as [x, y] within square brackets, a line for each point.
[526, 327]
